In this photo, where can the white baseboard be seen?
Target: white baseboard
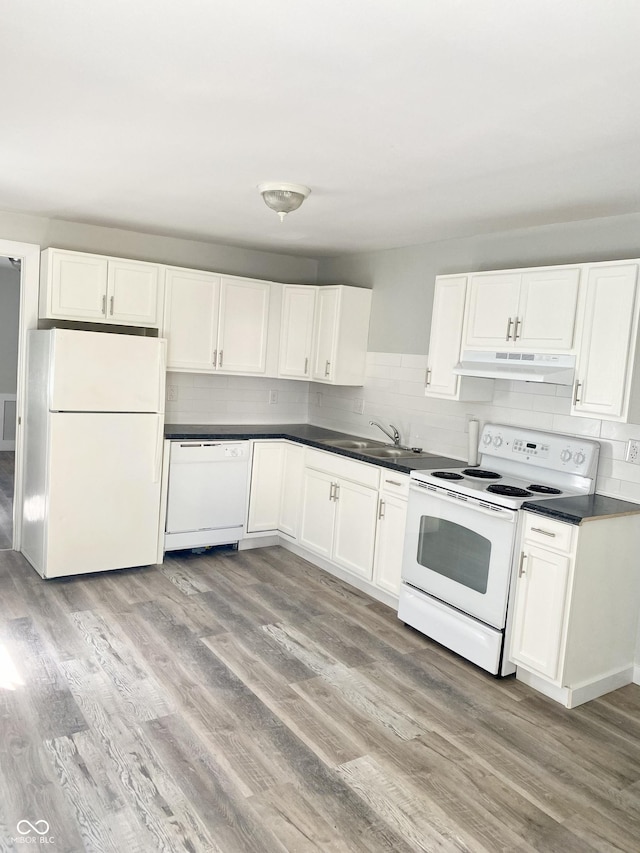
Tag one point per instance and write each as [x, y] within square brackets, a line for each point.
[360, 583]
[571, 697]
[636, 673]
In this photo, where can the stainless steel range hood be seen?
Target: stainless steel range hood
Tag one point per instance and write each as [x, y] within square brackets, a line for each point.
[521, 366]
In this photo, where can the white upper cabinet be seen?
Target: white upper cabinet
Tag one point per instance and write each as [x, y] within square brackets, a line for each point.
[242, 325]
[191, 319]
[94, 288]
[215, 323]
[296, 335]
[445, 342]
[341, 331]
[532, 310]
[607, 374]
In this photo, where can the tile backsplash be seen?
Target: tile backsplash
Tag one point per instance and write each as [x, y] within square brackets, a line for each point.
[394, 392]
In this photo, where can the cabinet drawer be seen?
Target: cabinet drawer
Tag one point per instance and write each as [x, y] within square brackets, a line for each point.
[394, 484]
[346, 469]
[547, 532]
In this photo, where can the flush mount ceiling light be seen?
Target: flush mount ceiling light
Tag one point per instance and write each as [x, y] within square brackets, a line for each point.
[283, 198]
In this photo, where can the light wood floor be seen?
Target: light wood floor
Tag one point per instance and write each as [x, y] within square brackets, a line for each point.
[250, 702]
[6, 498]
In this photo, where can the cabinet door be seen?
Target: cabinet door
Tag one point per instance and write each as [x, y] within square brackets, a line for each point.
[78, 286]
[446, 335]
[547, 310]
[355, 529]
[290, 498]
[243, 323]
[266, 485]
[133, 293]
[493, 308]
[318, 512]
[296, 334]
[392, 518]
[326, 324]
[191, 319]
[607, 343]
[538, 620]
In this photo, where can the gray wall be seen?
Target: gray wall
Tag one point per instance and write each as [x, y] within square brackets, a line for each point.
[9, 316]
[150, 247]
[403, 279]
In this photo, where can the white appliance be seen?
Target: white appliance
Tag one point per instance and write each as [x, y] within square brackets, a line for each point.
[93, 451]
[558, 369]
[461, 531]
[207, 493]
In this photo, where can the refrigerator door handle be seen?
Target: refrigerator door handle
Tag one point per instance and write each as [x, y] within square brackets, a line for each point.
[162, 376]
[157, 461]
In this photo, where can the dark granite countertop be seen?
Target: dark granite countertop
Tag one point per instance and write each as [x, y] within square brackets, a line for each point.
[303, 434]
[582, 508]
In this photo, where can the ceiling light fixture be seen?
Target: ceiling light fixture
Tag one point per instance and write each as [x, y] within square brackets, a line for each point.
[283, 198]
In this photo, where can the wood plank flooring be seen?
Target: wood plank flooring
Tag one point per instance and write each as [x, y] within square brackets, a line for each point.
[6, 498]
[248, 701]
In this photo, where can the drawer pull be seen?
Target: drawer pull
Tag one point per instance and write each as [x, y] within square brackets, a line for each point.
[544, 532]
[393, 482]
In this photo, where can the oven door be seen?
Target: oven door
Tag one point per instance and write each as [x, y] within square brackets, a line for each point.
[459, 550]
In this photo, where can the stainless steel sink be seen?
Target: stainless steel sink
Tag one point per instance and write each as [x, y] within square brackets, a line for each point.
[394, 453]
[351, 443]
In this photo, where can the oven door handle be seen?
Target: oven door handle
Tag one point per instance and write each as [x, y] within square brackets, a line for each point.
[473, 504]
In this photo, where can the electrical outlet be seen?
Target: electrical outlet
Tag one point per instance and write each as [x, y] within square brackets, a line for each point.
[358, 406]
[172, 393]
[633, 452]
[273, 398]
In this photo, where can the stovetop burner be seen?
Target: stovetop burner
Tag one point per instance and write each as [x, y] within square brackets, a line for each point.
[544, 490]
[509, 491]
[447, 475]
[481, 474]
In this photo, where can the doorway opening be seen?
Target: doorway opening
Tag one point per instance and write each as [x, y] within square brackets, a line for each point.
[10, 282]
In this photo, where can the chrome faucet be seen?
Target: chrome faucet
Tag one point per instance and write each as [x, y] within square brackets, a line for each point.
[394, 436]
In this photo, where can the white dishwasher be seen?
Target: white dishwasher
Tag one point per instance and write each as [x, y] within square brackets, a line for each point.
[207, 493]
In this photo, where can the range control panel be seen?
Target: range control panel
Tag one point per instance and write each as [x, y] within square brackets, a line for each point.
[543, 449]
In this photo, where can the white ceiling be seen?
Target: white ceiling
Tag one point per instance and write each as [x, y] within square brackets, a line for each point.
[411, 121]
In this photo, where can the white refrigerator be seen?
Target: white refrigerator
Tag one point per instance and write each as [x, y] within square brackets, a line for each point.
[94, 430]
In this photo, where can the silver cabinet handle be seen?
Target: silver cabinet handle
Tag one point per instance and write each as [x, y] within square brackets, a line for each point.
[576, 391]
[337, 492]
[111, 306]
[215, 358]
[104, 305]
[509, 324]
[393, 482]
[521, 570]
[220, 359]
[326, 369]
[381, 509]
[306, 364]
[332, 496]
[515, 329]
[544, 532]
[427, 378]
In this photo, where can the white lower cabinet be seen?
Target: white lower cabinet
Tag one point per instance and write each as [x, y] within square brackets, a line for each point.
[339, 510]
[576, 606]
[349, 514]
[392, 519]
[276, 483]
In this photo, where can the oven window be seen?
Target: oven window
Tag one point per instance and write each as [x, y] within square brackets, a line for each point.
[455, 552]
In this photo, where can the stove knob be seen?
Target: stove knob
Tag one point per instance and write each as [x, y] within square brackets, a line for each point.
[486, 438]
[565, 455]
[497, 441]
[579, 457]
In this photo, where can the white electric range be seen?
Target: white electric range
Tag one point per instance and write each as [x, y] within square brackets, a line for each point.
[461, 534]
